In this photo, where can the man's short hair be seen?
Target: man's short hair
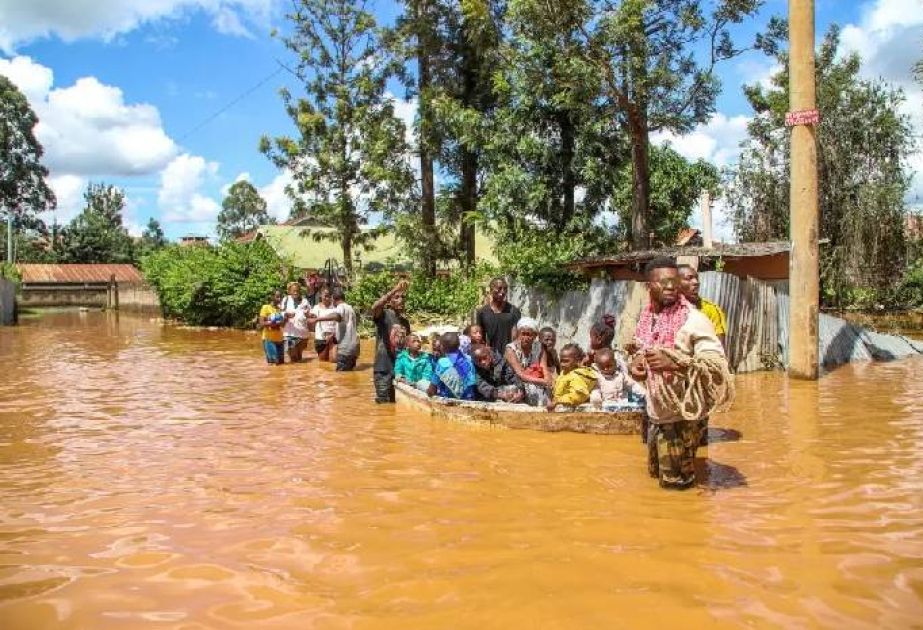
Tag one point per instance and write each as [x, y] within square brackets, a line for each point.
[661, 262]
[685, 266]
[497, 280]
[450, 342]
[337, 293]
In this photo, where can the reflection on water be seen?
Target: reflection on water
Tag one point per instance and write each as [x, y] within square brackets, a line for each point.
[167, 478]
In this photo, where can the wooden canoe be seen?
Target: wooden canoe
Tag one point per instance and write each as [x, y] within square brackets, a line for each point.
[512, 416]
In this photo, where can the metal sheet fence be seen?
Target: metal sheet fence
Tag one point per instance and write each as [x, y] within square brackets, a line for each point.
[757, 314]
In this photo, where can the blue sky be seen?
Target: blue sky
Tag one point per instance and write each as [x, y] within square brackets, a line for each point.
[140, 93]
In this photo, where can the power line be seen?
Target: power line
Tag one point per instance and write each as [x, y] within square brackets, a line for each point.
[233, 102]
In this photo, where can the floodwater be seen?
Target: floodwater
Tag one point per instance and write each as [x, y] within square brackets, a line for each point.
[160, 477]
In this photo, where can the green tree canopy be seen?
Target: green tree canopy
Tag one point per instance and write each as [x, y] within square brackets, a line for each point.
[242, 211]
[152, 238]
[97, 235]
[23, 190]
[863, 144]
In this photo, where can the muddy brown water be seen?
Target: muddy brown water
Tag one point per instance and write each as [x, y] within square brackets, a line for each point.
[159, 477]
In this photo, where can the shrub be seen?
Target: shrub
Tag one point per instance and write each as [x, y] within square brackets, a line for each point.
[451, 297]
[222, 286]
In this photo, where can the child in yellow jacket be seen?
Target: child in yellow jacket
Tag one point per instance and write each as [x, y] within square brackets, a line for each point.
[574, 384]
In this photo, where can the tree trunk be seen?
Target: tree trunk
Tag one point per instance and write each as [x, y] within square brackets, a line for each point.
[427, 184]
[569, 179]
[640, 182]
[469, 194]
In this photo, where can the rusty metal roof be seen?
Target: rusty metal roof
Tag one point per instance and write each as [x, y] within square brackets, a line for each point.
[77, 274]
[738, 250]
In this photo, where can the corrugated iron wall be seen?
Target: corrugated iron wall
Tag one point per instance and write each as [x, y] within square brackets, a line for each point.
[757, 314]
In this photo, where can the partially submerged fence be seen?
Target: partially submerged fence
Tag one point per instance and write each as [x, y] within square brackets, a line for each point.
[757, 313]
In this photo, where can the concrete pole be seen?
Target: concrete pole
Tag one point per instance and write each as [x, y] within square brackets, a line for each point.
[804, 281]
[706, 219]
[9, 238]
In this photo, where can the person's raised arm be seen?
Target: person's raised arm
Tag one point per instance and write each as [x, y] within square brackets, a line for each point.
[379, 306]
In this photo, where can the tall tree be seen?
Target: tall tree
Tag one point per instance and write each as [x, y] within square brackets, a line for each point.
[418, 37]
[863, 144]
[152, 238]
[97, 235]
[242, 211]
[657, 60]
[23, 190]
[349, 159]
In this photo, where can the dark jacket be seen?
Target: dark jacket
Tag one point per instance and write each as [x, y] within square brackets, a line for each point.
[500, 375]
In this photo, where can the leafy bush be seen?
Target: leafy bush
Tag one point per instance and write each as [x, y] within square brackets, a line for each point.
[538, 259]
[910, 290]
[222, 286]
[447, 297]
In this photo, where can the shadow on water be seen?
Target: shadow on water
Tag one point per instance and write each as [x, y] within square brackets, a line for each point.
[717, 476]
[717, 435]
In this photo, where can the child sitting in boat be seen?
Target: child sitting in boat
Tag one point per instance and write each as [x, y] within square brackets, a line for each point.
[496, 380]
[453, 376]
[414, 366]
[614, 387]
[575, 383]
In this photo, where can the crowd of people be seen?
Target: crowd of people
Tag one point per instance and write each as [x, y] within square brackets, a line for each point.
[676, 355]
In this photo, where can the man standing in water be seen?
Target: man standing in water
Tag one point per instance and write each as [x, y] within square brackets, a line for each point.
[689, 287]
[498, 317]
[386, 312]
[678, 356]
[346, 338]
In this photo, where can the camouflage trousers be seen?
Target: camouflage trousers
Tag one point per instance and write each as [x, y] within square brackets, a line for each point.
[671, 453]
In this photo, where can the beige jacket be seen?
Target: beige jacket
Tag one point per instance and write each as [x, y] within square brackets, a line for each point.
[695, 337]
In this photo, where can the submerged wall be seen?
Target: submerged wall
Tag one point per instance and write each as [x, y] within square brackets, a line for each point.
[137, 297]
[757, 320]
[7, 302]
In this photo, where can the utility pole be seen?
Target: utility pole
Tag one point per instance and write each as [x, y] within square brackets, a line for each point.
[9, 238]
[804, 280]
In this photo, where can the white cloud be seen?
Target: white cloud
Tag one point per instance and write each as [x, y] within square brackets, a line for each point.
[87, 128]
[22, 21]
[68, 190]
[180, 197]
[278, 203]
[716, 141]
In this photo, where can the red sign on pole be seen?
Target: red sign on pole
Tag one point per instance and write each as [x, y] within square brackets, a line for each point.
[804, 117]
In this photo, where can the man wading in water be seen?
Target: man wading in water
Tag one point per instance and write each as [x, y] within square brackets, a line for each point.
[498, 318]
[386, 312]
[678, 355]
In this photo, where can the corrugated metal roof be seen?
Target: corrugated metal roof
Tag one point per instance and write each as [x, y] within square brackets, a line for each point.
[78, 274]
[732, 250]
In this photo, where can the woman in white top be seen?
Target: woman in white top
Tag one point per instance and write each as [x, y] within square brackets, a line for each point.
[295, 331]
[325, 330]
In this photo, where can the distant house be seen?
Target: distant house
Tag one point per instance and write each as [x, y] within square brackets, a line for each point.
[193, 240]
[308, 246]
[75, 285]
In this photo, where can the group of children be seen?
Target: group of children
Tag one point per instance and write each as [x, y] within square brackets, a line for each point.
[463, 366]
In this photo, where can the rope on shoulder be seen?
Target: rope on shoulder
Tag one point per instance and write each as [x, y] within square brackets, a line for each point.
[704, 387]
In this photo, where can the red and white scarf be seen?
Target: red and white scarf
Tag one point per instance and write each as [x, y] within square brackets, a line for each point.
[659, 329]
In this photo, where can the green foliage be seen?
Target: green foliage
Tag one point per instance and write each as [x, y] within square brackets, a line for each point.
[23, 190]
[152, 238]
[676, 185]
[242, 211]
[10, 272]
[97, 235]
[863, 144]
[451, 297]
[538, 258]
[910, 290]
[214, 286]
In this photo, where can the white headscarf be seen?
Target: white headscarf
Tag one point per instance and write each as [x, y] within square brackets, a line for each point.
[527, 323]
